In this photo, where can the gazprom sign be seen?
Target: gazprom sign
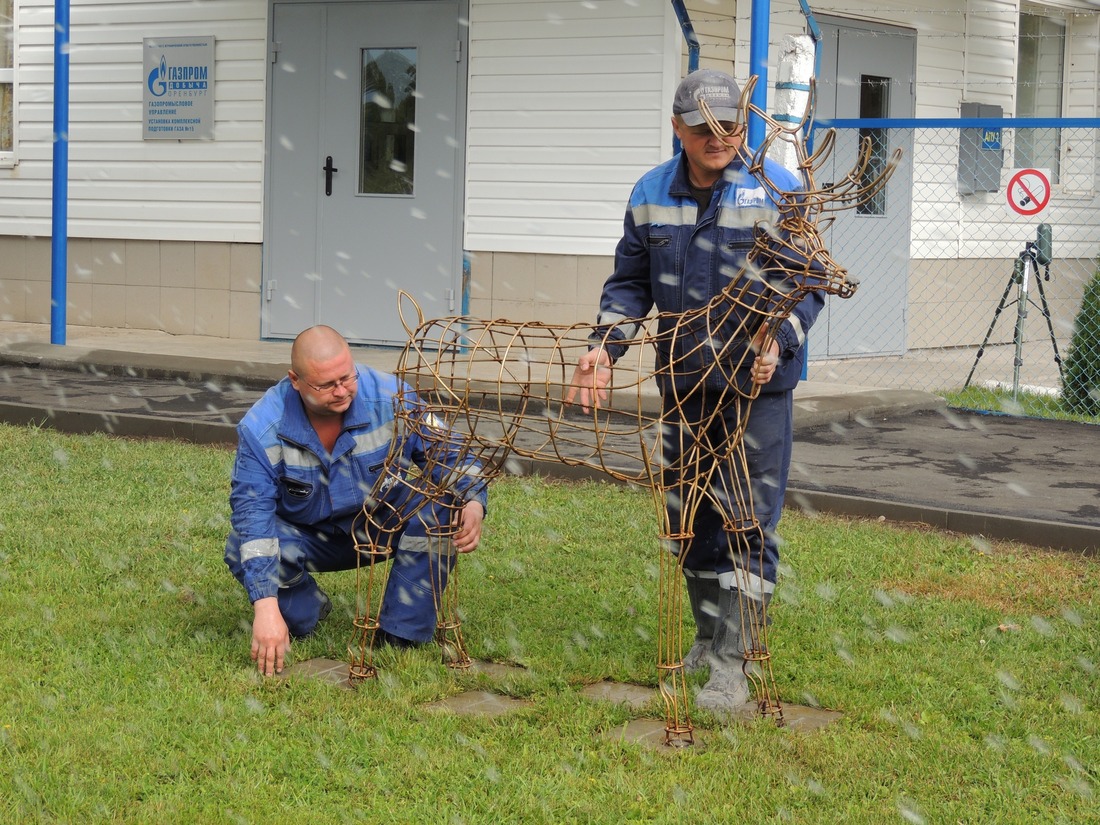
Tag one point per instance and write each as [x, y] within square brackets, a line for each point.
[178, 86]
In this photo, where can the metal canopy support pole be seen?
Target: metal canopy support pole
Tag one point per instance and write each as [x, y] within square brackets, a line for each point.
[60, 228]
[692, 40]
[758, 65]
[690, 37]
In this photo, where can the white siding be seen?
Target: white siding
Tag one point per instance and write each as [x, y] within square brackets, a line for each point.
[715, 25]
[121, 186]
[568, 105]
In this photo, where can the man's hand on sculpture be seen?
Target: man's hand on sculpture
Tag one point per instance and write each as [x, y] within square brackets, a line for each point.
[468, 535]
[763, 366]
[270, 637]
[590, 379]
[766, 361]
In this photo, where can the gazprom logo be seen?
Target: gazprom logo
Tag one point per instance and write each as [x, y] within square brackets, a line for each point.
[166, 78]
[157, 83]
[750, 197]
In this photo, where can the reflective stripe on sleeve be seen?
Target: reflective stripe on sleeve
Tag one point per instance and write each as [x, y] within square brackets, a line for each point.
[796, 325]
[259, 549]
[615, 319]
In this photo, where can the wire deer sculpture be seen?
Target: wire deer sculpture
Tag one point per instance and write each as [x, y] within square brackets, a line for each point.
[491, 389]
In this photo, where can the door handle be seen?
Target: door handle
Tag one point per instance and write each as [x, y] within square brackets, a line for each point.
[328, 169]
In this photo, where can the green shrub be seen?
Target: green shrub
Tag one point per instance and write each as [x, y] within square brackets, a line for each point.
[1081, 376]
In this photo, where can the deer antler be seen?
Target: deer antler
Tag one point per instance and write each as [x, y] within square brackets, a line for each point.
[861, 184]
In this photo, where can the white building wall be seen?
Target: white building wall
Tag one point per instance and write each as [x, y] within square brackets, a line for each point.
[121, 186]
[569, 103]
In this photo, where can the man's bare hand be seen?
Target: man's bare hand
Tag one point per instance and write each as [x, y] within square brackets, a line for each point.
[270, 637]
[764, 365]
[468, 535]
[590, 379]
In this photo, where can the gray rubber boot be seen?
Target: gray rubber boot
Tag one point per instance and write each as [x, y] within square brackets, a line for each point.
[727, 691]
[703, 594]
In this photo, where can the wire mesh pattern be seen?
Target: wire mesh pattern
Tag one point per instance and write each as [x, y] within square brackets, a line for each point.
[995, 262]
[494, 389]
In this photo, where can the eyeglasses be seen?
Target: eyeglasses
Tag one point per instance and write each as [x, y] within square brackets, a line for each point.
[345, 382]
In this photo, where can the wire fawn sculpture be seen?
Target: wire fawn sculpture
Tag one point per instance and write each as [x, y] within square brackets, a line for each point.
[498, 388]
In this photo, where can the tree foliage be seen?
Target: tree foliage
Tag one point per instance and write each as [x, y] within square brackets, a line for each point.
[1081, 377]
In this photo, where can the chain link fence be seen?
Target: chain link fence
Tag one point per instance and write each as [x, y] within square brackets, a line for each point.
[978, 267]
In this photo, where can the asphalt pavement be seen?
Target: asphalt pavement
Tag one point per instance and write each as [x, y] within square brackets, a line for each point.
[859, 451]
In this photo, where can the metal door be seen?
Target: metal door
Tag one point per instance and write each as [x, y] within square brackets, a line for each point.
[364, 177]
[867, 71]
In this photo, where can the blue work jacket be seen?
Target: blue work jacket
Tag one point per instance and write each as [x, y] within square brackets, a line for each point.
[673, 258]
[282, 471]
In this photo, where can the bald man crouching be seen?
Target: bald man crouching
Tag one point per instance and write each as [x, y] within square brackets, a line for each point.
[309, 452]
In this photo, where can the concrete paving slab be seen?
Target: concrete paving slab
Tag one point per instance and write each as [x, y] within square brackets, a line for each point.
[329, 671]
[633, 696]
[806, 719]
[650, 733]
[795, 717]
[480, 703]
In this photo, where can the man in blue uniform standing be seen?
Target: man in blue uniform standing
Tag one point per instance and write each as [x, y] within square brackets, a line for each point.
[688, 228]
[309, 453]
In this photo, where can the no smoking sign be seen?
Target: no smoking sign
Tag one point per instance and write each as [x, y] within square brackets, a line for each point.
[1028, 192]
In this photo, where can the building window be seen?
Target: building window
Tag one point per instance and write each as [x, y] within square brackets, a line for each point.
[387, 134]
[7, 77]
[1040, 64]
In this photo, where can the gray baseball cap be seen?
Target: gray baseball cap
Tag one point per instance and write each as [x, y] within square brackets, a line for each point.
[718, 89]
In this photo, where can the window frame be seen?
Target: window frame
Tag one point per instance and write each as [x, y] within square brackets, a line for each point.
[9, 75]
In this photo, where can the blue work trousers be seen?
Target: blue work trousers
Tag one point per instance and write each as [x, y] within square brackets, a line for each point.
[419, 560]
[754, 553]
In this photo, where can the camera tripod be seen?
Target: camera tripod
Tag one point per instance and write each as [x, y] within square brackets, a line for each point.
[1034, 253]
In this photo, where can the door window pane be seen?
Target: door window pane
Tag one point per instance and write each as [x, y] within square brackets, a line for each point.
[874, 101]
[1039, 89]
[387, 133]
[7, 78]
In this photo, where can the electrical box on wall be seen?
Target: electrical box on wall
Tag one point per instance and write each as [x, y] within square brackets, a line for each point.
[981, 152]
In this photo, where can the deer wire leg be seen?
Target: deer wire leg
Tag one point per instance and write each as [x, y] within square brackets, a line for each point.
[371, 578]
[754, 632]
[671, 682]
[448, 629]
[758, 658]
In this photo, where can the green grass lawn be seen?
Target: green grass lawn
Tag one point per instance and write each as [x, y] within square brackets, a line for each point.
[1023, 403]
[966, 671]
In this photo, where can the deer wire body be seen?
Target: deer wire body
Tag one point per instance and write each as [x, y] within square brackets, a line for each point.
[495, 389]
